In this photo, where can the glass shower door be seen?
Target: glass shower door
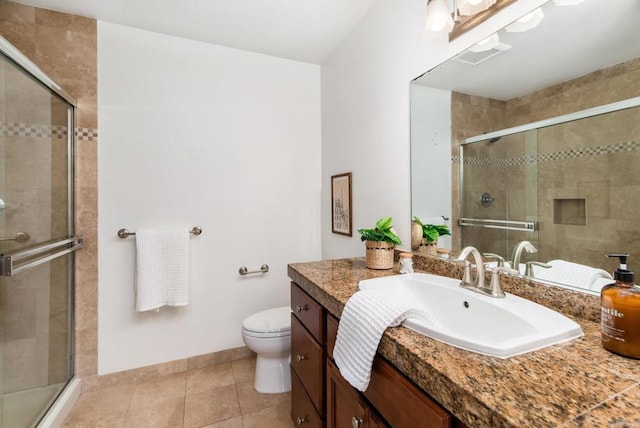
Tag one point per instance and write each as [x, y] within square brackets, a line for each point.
[36, 244]
[499, 184]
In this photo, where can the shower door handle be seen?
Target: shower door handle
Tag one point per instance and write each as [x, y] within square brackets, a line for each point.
[25, 258]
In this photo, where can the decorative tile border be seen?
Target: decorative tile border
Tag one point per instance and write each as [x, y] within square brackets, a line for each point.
[15, 129]
[627, 146]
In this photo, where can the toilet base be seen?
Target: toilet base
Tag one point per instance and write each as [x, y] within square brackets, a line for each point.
[273, 374]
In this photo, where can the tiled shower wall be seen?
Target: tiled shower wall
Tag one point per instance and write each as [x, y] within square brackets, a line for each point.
[581, 152]
[65, 47]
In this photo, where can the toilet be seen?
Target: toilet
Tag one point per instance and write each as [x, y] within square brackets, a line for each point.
[268, 334]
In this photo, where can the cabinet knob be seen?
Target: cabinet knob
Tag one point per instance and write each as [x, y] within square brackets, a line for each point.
[299, 357]
[301, 308]
[356, 422]
[300, 421]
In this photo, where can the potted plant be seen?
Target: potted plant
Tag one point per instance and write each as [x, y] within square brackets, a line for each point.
[428, 241]
[379, 243]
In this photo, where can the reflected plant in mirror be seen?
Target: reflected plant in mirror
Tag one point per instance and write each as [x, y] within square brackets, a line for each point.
[547, 123]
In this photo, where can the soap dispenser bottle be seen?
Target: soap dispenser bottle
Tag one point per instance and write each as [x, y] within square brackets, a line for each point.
[620, 312]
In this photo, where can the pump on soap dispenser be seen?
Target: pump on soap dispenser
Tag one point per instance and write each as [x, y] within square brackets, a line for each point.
[620, 312]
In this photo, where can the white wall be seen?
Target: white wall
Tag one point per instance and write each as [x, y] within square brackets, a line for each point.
[365, 111]
[196, 134]
[431, 139]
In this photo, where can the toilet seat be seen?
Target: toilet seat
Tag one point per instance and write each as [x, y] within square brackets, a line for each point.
[270, 323]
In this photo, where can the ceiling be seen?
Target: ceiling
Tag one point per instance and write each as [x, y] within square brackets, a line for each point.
[301, 30]
[569, 42]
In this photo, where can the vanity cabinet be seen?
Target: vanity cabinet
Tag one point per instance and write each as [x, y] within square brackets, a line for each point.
[307, 359]
[321, 396]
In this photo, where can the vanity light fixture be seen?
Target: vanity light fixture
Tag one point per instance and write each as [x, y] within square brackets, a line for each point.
[439, 20]
[487, 44]
[471, 7]
[527, 22]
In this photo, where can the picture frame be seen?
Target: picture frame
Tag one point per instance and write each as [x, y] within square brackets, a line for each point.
[341, 214]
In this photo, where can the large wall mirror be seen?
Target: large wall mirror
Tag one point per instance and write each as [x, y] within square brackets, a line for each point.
[559, 165]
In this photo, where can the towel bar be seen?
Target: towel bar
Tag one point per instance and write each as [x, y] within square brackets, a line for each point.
[124, 233]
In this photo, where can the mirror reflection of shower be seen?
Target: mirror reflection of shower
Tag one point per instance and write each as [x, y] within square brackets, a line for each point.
[486, 200]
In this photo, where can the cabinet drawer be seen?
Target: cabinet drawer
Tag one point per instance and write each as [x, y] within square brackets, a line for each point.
[308, 311]
[400, 402]
[307, 360]
[302, 411]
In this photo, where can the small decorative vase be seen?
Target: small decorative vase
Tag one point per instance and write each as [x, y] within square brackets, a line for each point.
[379, 254]
[416, 236]
[430, 248]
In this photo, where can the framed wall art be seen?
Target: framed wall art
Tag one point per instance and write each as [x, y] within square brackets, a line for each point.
[341, 215]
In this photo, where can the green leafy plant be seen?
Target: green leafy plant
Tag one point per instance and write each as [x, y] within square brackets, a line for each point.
[382, 232]
[432, 231]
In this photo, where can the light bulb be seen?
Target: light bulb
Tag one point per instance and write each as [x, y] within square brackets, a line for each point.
[527, 22]
[486, 44]
[471, 7]
[439, 20]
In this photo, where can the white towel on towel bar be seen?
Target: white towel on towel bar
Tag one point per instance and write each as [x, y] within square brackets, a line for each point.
[365, 317]
[162, 268]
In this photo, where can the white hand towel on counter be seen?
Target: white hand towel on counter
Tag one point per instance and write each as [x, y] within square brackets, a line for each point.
[569, 273]
[366, 316]
[162, 268]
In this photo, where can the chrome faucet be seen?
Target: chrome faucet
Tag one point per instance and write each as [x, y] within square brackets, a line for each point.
[495, 288]
[517, 253]
[467, 281]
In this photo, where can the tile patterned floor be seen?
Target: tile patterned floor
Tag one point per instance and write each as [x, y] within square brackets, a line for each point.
[218, 396]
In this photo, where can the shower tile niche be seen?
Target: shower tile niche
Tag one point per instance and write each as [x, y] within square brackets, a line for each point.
[570, 211]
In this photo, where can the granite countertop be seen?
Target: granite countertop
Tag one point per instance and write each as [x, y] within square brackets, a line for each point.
[573, 384]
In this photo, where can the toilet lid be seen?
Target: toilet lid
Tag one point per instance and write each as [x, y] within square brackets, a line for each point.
[269, 321]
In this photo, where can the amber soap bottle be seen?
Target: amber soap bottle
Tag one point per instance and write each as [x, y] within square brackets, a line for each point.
[620, 312]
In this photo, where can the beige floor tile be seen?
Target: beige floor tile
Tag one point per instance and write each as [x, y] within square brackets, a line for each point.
[165, 414]
[272, 417]
[113, 421]
[96, 408]
[211, 406]
[244, 369]
[210, 377]
[228, 423]
[154, 392]
[251, 400]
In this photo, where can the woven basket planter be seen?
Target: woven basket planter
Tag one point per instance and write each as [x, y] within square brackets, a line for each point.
[430, 248]
[379, 254]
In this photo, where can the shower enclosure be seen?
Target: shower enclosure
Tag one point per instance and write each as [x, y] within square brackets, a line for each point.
[570, 185]
[37, 240]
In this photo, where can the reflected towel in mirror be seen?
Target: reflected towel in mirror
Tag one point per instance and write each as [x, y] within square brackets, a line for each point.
[573, 274]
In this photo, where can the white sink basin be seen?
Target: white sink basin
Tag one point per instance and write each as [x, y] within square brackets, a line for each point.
[468, 320]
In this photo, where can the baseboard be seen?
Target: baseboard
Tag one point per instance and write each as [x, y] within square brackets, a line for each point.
[155, 371]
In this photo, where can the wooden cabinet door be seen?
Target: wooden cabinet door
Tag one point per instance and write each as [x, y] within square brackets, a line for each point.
[344, 406]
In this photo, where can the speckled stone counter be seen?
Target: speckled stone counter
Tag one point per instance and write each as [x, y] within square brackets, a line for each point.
[575, 384]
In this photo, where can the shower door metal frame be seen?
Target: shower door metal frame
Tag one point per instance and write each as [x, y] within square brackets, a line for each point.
[46, 251]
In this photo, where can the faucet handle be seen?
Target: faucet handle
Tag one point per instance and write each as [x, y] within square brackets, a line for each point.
[530, 265]
[495, 285]
[495, 256]
[466, 276]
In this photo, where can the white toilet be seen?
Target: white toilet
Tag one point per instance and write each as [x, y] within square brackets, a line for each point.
[268, 334]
